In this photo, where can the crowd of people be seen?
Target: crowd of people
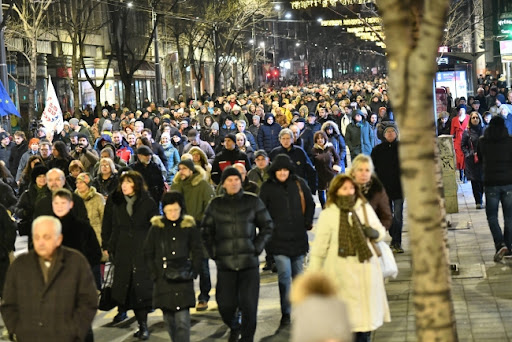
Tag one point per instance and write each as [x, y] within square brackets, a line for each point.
[160, 191]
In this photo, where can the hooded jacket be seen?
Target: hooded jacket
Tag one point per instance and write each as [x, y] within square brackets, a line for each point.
[268, 135]
[196, 190]
[283, 201]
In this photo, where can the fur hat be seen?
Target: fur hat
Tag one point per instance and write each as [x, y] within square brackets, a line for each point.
[38, 170]
[230, 171]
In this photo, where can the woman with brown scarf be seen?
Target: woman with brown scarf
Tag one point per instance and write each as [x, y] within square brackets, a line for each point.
[342, 249]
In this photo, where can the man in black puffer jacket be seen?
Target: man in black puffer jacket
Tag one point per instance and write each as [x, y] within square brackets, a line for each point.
[229, 233]
[229, 156]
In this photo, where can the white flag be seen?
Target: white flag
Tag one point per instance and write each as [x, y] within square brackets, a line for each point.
[52, 114]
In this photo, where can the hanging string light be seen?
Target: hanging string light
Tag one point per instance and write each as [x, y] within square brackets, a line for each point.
[302, 4]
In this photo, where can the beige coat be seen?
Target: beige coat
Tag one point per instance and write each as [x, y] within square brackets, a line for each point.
[361, 285]
[95, 205]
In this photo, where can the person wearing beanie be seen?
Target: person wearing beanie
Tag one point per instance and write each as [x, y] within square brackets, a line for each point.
[227, 127]
[150, 171]
[317, 313]
[236, 226]
[458, 126]
[190, 182]
[268, 133]
[387, 166]
[229, 155]
[290, 203]
[358, 136]
[75, 126]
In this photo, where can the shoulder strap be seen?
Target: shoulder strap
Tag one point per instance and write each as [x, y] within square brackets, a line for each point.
[302, 199]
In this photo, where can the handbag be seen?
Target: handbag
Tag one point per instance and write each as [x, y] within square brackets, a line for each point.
[387, 260]
[106, 302]
[475, 156]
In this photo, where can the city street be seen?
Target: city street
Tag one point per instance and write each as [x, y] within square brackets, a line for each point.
[482, 294]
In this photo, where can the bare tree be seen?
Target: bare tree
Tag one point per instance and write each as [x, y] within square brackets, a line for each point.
[414, 29]
[28, 23]
[232, 20]
[78, 20]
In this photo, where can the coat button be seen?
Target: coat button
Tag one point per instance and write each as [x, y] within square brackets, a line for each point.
[174, 224]
[173, 253]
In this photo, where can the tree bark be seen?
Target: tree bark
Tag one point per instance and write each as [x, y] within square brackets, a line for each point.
[413, 32]
[33, 80]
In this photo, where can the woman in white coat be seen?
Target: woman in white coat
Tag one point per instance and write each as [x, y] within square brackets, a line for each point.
[342, 249]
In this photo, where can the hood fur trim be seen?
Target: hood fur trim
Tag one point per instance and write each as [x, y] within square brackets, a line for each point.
[333, 124]
[187, 221]
[199, 175]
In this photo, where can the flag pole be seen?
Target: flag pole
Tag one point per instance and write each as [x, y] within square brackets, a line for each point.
[3, 66]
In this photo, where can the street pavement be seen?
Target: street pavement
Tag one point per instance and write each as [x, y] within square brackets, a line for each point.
[482, 293]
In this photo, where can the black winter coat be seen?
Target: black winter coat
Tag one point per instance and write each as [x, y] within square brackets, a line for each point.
[227, 158]
[387, 167]
[496, 159]
[268, 135]
[229, 230]
[469, 144]
[132, 285]
[43, 206]
[303, 166]
[180, 243]
[106, 187]
[16, 153]
[283, 201]
[153, 177]
[79, 235]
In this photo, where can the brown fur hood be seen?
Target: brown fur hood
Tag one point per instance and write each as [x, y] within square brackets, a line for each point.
[187, 221]
[196, 177]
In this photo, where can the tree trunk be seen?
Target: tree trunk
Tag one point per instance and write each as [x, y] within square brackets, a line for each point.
[75, 70]
[413, 33]
[127, 92]
[33, 80]
[97, 109]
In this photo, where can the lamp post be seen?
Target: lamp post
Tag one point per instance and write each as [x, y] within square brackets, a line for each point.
[158, 73]
[3, 66]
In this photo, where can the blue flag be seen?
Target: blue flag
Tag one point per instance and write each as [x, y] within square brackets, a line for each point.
[6, 105]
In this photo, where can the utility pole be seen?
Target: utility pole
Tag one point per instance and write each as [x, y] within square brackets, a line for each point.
[158, 73]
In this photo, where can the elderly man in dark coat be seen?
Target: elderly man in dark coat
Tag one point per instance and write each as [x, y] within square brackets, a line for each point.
[49, 293]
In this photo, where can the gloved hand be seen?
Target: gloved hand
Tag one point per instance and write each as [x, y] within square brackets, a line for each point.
[371, 233]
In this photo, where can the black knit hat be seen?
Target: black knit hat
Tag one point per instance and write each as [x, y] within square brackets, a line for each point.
[188, 163]
[231, 136]
[38, 170]
[230, 171]
[282, 161]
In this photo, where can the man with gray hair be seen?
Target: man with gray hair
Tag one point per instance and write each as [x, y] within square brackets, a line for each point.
[303, 166]
[49, 293]
[56, 180]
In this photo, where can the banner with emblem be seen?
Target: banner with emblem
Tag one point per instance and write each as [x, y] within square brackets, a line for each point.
[52, 114]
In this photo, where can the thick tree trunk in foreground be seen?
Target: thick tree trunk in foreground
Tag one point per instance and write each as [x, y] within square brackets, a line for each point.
[413, 32]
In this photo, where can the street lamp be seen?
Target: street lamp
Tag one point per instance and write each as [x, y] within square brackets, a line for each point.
[319, 20]
[277, 7]
[297, 44]
[130, 5]
[288, 15]
[251, 41]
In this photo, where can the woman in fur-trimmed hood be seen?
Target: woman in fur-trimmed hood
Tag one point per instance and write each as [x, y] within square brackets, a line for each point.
[173, 253]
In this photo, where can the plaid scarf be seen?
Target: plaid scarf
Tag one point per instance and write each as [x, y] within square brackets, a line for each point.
[351, 240]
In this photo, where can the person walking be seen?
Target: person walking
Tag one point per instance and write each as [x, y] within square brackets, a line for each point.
[327, 163]
[494, 151]
[173, 253]
[458, 126]
[130, 215]
[473, 166]
[291, 206]
[342, 249]
[387, 167]
[198, 193]
[230, 236]
[59, 279]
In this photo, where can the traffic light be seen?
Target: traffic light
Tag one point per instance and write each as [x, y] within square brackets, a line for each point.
[357, 68]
